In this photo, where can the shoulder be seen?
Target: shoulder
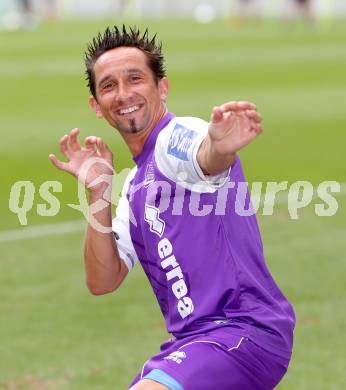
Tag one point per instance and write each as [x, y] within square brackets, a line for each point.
[179, 135]
[185, 126]
[190, 122]
[176, 154]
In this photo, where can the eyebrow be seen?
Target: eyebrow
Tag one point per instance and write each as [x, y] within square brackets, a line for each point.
[104, 79]
[133, 70]
[125, 71]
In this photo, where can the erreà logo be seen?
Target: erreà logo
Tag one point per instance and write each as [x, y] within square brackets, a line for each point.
[180, 142]
[149, 175]
[176, 356]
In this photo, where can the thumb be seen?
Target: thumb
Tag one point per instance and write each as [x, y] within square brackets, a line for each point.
[216, 115]
[59, 164]
[105, 153]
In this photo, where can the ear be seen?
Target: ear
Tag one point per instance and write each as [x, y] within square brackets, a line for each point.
[163, 88]
[95, 106]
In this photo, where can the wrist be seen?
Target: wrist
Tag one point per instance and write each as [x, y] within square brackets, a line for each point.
[217, 160]
[101, 191]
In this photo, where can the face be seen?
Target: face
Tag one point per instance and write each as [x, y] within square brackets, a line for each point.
[128, 96]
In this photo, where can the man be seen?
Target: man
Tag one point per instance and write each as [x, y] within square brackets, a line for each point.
[232, 326]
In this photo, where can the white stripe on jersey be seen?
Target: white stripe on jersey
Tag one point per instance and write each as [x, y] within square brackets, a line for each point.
[176, 155]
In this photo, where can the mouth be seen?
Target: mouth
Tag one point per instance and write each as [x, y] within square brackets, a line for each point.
[129, 110]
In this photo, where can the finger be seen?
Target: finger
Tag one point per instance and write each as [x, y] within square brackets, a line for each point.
[232, 117]
[90, 142]
[257, 129]
[237, 106]
[101, 145]
[254, 116]
[216, 115]
[247, 104]
[73, 139]
[104, 151]
[59, 164]
[63, 145]
[91, 145]
[228, 106]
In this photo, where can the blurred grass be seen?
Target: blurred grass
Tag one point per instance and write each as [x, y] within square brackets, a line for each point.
[53, 334]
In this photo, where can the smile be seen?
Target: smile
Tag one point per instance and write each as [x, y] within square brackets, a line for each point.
[129, 110]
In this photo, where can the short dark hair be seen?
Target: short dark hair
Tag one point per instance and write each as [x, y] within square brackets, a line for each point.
[112, 38]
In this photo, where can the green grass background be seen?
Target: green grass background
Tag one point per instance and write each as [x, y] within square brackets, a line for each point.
[53, 333]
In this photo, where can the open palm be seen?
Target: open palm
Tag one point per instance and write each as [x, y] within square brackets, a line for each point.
[88, 163]
[234, 125]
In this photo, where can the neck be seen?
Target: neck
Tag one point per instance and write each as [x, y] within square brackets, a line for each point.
[136, 141]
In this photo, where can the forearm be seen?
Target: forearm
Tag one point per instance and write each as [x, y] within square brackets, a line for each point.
[211, 161]
[104, 268]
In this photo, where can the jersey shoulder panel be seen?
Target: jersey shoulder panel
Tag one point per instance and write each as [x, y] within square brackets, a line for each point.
[176, 155]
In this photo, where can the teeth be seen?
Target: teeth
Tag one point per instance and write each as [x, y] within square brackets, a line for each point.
[128, 110]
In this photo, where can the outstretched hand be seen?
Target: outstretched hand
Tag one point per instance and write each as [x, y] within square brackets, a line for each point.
[80, 158]
[233, 125]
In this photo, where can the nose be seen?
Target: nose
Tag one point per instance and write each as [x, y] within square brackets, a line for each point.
[123, 92]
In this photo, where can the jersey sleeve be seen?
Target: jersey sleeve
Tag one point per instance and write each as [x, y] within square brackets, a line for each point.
[176, 155]
[121, 228]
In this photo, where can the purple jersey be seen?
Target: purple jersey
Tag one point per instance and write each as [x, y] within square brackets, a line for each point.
[201, 251]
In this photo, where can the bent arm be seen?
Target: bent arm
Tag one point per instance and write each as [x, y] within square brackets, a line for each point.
[92, 164]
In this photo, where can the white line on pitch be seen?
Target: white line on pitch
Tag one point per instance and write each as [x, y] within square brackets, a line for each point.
[51, 229]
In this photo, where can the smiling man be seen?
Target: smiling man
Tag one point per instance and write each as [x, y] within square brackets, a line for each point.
[178, 216]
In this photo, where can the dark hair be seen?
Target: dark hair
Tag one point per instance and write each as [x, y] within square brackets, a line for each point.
[113, 38]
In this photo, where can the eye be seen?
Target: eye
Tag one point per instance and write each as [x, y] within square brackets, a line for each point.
[135, 78]
[108, 86]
